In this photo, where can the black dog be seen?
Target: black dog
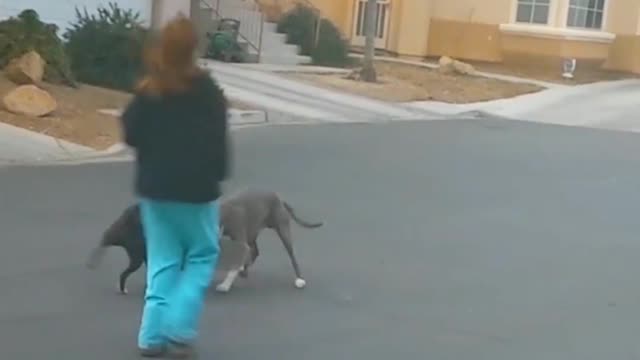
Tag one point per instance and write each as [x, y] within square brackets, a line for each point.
[126, 232]
[242, 217]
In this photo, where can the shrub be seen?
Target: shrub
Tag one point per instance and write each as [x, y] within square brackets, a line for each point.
[332, 49]
[106, 50]
[24, 33]
[300, 26]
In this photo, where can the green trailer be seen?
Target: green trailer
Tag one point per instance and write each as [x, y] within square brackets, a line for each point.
[223, 43]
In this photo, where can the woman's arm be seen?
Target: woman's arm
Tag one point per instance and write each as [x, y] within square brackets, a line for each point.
[219, 132]
[130, 121]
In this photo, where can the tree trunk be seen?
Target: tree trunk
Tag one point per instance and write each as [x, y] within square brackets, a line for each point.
[368, 72]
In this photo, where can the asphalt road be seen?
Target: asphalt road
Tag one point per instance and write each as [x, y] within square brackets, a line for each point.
[443, 240]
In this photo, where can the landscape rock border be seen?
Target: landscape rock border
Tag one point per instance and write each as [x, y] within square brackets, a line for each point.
[27, 71]
[29, 100]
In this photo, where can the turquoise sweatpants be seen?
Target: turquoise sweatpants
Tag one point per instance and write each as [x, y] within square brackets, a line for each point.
[182, 251]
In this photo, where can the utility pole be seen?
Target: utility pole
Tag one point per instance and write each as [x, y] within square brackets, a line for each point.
[368, 72]
[156, 14]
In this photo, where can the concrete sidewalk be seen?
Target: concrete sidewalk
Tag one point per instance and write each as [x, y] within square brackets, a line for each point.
[21, 146]
[290, 100]
[610, 105]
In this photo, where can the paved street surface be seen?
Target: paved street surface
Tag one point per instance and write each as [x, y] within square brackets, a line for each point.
[466, 240]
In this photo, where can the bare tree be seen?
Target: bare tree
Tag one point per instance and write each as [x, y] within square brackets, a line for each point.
[368, 72]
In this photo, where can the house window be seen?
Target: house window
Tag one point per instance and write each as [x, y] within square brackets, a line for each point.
[382, 9]
[586, 14]
[533, 11]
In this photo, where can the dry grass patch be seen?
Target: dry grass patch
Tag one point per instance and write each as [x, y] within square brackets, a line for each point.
[404, 83]
[77, 118]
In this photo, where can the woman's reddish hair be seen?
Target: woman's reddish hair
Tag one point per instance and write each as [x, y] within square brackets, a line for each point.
[170, 63]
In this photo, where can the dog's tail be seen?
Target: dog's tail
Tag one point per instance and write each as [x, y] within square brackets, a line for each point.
[96, 256]
[299, 221]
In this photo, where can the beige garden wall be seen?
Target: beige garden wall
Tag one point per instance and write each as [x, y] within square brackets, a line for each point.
[472, 11]
[409, 27]
[621, 19]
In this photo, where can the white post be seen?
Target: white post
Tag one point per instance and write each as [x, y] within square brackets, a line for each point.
[156, 14]
[165, 10]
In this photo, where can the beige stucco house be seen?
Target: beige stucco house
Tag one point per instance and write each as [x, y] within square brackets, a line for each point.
[596, 32]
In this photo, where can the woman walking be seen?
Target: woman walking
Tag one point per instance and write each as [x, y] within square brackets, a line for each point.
[177, 123]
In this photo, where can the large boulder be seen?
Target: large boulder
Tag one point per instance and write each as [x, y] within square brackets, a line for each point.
[452, 66]
[30, 100]
[446, 64]
[27, 69]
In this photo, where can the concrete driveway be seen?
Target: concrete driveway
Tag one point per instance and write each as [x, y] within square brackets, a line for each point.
[608, 105]
[476, 240]
[293, 101]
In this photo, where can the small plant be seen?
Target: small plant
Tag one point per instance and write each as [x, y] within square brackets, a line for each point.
[300, 25]
[106, 48]
[24, 33]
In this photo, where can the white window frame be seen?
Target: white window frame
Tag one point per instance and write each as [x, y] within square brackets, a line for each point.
[533, 3]
[557, 25]
[603, 24]
[382, 25]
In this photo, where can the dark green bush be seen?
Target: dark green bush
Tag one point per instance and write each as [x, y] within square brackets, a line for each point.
[106, 49]
[24, 33]
[300, 26]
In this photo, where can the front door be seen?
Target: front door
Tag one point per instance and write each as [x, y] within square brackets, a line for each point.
[382, 23]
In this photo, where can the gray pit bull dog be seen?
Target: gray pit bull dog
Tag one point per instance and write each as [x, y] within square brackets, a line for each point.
[242, 217]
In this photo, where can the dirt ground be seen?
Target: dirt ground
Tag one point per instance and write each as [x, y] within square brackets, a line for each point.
[77, 118]
[403, 83]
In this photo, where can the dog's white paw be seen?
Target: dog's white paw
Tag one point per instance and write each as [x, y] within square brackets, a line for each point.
[300, 283]
[223, 288]
[124, 291]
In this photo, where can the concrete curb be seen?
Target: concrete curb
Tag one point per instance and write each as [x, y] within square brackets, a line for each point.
[295, 69]
[236, 116]
[247, 117]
